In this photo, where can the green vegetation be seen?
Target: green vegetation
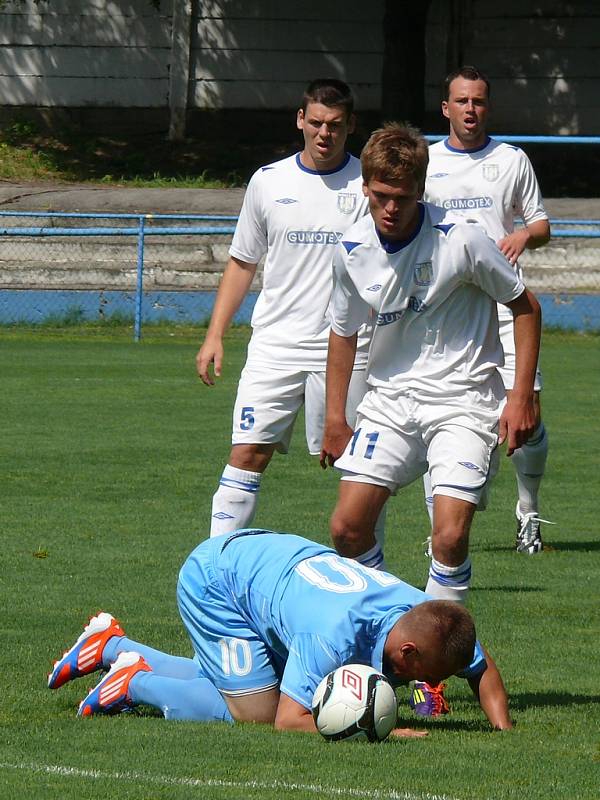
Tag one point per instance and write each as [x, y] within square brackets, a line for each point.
[110, 454]
[142, 160]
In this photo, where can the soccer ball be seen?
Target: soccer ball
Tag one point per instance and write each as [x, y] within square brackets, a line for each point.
[354, 702]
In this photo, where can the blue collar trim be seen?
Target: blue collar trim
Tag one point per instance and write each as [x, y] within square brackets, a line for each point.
[322, 171]
[467, 152]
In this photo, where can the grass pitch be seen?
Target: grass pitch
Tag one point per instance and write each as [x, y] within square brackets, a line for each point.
[110, 453]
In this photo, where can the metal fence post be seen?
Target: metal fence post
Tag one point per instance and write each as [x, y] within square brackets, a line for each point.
[137, 328]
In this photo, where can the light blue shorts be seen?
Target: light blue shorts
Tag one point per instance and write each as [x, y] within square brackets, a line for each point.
[229, 653]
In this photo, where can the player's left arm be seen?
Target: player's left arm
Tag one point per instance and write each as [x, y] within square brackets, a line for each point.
[517, 421]
[488, 688]
[532, 235]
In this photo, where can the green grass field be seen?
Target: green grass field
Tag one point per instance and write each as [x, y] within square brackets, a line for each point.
[110, 453]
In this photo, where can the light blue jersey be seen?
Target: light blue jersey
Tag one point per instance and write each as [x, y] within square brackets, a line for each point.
[266, 609]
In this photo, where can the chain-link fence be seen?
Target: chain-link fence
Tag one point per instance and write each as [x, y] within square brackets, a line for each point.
[71, 268]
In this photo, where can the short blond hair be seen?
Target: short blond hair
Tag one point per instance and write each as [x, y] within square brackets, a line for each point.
[395, 152]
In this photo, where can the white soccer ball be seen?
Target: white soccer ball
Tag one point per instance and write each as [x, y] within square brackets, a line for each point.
[355, 702]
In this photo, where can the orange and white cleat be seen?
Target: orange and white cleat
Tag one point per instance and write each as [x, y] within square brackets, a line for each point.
[86, 654]
[111, 695]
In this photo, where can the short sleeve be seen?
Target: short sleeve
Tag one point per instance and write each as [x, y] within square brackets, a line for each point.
[250, 240]
[477, 666]
[489, 269]
[528, 197]
[310, 658]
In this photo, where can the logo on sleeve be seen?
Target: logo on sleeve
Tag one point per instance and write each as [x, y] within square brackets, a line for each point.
[346, 202]
[439, 175]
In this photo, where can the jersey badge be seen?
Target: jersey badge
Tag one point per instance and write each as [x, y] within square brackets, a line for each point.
[423, 273]
[491, 172]
[286, 200]
[346, 202]
[375, 288]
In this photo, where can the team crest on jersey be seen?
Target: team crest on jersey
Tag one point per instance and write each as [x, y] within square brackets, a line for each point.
[491, 172]
[346, 202]
[423, 273]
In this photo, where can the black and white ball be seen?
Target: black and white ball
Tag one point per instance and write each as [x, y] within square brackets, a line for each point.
[355, 702]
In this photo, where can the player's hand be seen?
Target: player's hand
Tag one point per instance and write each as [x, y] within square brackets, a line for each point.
[408, 733]
[211, 352]
[517, 422]
[335, 439]
[513, 245]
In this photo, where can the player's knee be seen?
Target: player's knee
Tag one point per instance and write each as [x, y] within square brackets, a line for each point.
[348, 538]
[251, 457]
[449, 541]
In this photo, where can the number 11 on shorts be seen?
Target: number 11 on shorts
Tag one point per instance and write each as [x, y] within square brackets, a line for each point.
[371, 442]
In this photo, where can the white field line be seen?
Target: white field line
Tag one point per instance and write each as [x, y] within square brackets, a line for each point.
[319, 790]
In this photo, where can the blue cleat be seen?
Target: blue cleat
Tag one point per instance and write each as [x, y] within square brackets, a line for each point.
[111, 695]
[86, 654]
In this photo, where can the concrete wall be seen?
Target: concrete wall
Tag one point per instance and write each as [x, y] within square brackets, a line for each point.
[541, 56]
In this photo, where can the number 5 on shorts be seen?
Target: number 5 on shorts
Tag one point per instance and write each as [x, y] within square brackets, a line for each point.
[247, 418]
[371, 442]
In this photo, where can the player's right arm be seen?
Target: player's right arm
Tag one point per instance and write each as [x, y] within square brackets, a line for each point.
[235, 285]
[340, 360]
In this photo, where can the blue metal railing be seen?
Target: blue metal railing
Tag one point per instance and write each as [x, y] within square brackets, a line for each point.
[146, 226]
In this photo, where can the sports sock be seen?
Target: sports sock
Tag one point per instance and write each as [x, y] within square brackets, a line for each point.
[197, 700]
[234, 502]
[161, 663]
[529, 462]
[449, 583]
[372, 558]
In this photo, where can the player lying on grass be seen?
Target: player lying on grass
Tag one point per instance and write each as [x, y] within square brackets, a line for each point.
[269, 615]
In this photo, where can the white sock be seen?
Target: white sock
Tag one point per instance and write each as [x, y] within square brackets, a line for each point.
[529, 462]
[234, 502]
[372, 558]
[449, 583]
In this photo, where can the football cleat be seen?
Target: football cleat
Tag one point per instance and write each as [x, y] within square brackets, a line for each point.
[428, 701]
[111, 695]
[529, 538]
[86, 654]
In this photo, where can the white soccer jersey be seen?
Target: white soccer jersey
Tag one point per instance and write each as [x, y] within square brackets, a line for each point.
[296, 216]
[493, 184]
[432, 296]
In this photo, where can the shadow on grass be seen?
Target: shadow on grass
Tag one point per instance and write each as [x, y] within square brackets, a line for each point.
[549, 548]
[525, 700]
[509, 588]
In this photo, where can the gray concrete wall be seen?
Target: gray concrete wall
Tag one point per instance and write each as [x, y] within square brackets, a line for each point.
[107, 54]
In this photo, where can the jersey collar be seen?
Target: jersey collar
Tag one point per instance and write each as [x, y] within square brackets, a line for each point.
[467, 152]
[324, 171]
[399, 244]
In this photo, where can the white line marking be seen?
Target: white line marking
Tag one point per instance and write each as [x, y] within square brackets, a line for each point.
[204, 783]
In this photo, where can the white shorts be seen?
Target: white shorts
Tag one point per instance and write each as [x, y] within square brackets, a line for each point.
[397, 441]
[507, 372]
[268, 401]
